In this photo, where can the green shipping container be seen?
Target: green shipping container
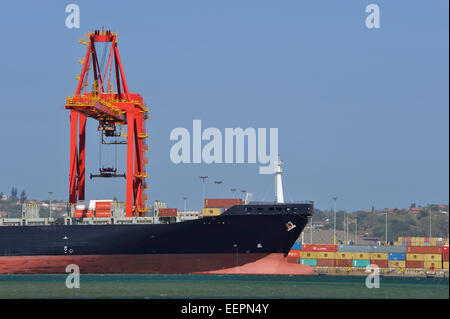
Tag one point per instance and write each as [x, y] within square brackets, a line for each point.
[308, 262]
[361, 262]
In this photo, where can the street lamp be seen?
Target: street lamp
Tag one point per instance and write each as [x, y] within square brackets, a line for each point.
[203, 189]
[232, 191]
[185, 198]
[335, 199]
[50, 204]
[430, 220]
[218, 184]
[386, 227]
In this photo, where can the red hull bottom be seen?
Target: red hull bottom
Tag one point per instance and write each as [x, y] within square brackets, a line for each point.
[256, 264]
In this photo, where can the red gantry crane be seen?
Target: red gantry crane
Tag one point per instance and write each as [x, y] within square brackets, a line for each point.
[111, 107]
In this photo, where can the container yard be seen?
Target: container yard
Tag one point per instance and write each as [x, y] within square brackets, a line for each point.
[416, 256]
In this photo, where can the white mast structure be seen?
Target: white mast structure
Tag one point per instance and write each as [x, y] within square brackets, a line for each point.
[278, 183]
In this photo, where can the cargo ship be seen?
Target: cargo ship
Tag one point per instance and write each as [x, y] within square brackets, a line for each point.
[254, 238]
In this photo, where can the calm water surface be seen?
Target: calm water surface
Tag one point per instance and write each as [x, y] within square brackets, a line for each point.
[219, 286]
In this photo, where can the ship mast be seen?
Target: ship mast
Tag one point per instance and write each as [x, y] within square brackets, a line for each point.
[278, 184]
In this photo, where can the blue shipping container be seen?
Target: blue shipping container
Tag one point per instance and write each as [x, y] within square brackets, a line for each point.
[397, 256]
[308, 262]
[297, 246]
[361, 262]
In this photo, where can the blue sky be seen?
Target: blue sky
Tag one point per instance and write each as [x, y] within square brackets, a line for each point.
[362, 114]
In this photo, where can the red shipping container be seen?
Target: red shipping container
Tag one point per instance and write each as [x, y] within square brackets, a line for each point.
[326, 262]
[379, 263]
[344, 262]
[167, 212]
[445, 249]
[424, 250]
[414, 264]
[445, 257]
[221, 202]
[426, 240]
[83, 213]
[330, 248]
[102, 205]
[294, 253]
[293, 260]
[100, 213]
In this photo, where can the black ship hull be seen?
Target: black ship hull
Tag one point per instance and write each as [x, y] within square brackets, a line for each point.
[245, 239]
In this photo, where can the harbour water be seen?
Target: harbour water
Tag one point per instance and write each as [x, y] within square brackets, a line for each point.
[221, 286]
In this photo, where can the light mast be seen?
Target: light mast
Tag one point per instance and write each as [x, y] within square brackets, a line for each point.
[278, 183]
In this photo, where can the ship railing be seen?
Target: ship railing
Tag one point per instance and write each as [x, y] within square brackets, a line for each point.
[285, 202]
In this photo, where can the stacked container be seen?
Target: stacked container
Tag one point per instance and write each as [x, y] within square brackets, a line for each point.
[103, 208]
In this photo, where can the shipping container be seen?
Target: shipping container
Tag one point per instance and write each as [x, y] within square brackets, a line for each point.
[308, 262]
[361, 262]
[221, 202]
[86, 213]
[433, 265]
[378, 256]
[326, 255]
[344, 255]
[396, 256]
[445, 257]
[326, 262]
[329, 248]
[103, 205]
[360, 255]
[397, 264]
[297, 245]
[102, 213]
[292, 260]
[445, 265]
[433, 257]
[414, 263]
[423, 250]
[344, 262]
[211, 211]
[294, 253]
[380, 263]
[445, 249]
[388, 249]
[308, 254]
[415, 257]
[167, 212]
[353, 248]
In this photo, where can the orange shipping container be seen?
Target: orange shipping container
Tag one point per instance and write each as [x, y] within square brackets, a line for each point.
[414, 264]
[292, 260]
[221, 202]
[344, 262]
[294, 253]
[102, 214]
[379, 262]
[85, 213]
[424, 250]
[326, 262]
